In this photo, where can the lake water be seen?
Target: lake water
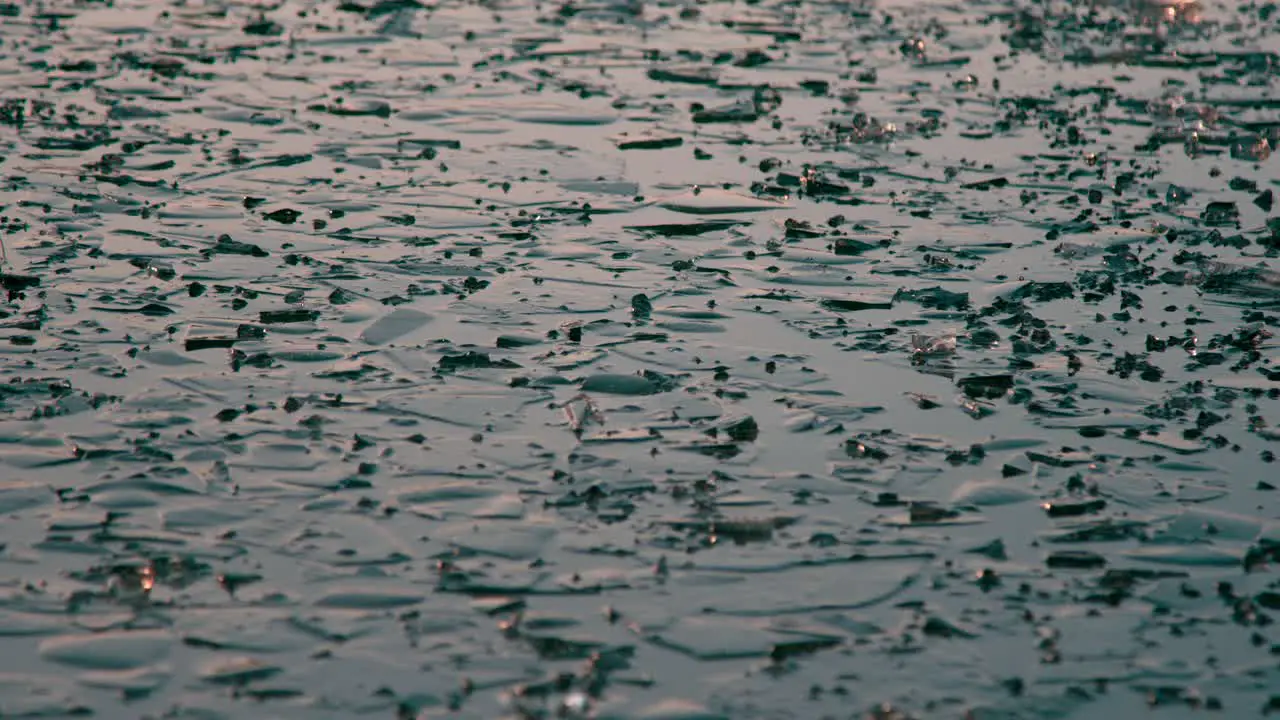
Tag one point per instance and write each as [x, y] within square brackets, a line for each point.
[622, 359]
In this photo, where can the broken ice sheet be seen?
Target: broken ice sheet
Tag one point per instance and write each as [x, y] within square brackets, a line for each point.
[797, 587]
[712, 638]
[121, 650]
[926, 346]
[394, 325]
[712, 201]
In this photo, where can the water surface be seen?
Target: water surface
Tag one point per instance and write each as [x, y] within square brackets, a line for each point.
[638, 360]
